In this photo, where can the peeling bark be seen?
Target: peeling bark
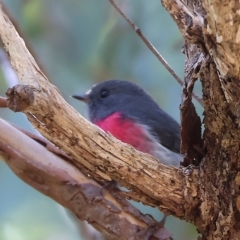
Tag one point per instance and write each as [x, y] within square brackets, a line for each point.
[219, 211]
[191, 135]
[217, 215]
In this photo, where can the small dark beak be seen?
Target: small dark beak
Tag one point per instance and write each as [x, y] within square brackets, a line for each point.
[83, 98]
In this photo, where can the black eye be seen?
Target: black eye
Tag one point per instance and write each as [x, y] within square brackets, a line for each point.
[104, 93]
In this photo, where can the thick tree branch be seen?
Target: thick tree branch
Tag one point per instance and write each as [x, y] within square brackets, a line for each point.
[95, 152]
[63, 182]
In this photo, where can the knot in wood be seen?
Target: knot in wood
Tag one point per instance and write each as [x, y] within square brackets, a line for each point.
[20, 97]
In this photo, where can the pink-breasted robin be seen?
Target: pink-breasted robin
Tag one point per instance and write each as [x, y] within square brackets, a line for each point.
[131, 115]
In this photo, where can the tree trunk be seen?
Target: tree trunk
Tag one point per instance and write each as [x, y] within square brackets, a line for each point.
[219, 177]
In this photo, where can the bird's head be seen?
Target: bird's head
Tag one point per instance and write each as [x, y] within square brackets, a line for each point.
[109, 97]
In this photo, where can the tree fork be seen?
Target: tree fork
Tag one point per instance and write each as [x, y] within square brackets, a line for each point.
[95, 152]
[207, 195]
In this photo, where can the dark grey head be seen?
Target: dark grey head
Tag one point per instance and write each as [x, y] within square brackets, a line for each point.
[113, 96]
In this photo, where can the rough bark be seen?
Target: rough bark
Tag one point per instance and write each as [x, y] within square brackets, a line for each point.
[219, 171]
[208, 195]
[217, 217]
[52, 175]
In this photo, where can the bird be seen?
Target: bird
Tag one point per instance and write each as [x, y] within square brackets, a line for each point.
[131, 115]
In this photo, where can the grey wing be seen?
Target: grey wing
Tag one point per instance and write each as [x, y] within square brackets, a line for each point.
[167, 130]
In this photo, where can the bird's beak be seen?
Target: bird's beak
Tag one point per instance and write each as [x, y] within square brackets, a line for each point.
[83, 98]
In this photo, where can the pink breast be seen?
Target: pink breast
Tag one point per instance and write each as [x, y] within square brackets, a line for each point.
[127, 131]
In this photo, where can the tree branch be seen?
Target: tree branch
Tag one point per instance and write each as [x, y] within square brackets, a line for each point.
[64, 183]
[95, 152]
[3, 102]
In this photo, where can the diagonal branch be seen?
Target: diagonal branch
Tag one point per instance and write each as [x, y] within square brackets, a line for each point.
[153, 49]
[63, 182]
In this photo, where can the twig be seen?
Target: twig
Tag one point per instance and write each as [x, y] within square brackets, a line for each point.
[63, 182]
[3, 102]
[153, 50]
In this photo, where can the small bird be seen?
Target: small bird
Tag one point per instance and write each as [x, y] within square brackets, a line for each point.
[131, 115]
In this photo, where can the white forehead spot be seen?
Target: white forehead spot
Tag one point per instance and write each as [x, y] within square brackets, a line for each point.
[89, 91]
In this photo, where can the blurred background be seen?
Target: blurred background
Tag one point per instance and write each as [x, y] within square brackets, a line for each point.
[78, 43]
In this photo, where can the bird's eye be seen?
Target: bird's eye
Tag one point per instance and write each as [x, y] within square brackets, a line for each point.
[104, 93]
